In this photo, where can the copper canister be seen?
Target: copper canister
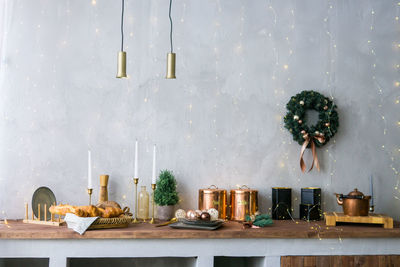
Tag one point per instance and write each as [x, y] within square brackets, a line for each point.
[213, 197]
[244, 201]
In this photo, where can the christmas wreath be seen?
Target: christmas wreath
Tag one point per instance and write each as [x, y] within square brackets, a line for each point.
[318, 134]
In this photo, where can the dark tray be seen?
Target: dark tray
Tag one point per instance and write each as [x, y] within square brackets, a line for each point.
[201, 223]
[182, 225]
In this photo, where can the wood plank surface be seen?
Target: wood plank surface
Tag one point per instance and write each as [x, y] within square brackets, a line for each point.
[309, 261]
[341, 261]
[280, 229]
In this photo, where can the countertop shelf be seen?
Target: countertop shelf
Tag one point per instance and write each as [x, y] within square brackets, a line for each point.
[280, 229]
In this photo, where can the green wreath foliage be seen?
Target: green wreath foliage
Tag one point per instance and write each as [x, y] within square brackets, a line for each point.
[295, 119]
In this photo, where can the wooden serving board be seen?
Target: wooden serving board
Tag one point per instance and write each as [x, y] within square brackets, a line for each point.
[331, 218]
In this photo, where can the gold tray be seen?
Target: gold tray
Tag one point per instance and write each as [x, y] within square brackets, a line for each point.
[107, 223]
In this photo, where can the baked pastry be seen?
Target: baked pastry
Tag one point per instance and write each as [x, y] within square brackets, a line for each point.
[86, 211]
[105, 204]
[110, 212]
[61, 209]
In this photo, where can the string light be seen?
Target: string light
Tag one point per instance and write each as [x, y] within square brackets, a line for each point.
[217, 25]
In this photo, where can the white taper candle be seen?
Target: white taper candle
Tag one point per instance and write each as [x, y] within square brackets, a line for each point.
[371, 181]
[90, 186]
[153, 180]
[136, 175]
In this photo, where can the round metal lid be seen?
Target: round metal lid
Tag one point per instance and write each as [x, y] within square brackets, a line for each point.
[243, 189]
[211, 189]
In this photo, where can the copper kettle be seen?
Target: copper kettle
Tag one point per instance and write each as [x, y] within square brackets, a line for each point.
[354, 204]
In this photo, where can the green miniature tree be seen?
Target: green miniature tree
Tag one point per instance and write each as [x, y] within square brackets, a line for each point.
[165, 193]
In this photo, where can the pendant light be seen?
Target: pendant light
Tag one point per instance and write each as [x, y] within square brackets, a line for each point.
[121, 72]
[171, 56]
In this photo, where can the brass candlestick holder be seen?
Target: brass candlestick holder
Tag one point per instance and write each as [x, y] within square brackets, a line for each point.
[90, 191]
[153, 187]
[136, 181]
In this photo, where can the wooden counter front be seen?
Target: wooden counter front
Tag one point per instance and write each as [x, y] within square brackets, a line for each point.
[280, 229]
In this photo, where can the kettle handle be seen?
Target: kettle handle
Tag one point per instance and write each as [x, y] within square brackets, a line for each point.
[339, 199]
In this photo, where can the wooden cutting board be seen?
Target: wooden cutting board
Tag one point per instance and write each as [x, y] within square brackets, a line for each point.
[331, 218]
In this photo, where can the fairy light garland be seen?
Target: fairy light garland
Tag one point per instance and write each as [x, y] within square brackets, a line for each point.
[217, 26]
[387, 122]
[331, 67]
[396, 150]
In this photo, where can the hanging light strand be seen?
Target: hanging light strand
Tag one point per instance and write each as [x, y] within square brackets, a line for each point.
[171, 56]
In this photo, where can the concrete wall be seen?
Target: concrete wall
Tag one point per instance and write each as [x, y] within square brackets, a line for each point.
[220, 121]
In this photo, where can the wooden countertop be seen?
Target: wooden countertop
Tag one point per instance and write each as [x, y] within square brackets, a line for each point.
[280, 229]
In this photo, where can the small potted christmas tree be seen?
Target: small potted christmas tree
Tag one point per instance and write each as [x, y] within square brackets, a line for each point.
[165, 195]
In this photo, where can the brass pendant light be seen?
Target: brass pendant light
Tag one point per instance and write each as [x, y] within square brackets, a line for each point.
[121, 71]
[171, 56]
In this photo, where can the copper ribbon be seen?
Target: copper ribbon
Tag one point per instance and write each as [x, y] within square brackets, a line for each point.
[310, 140]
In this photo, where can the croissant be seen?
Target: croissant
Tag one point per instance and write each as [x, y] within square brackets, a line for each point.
[111, 212]
[86, 211]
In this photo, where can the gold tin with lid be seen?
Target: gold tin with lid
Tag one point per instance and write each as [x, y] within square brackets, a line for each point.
[213, 197]
[244, 201]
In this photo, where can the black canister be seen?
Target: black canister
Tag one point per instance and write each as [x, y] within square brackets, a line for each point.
[311, 195]
[310, 212]
[281, 203]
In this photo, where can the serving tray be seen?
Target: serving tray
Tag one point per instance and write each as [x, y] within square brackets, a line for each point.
[201, 223]
[182, 225]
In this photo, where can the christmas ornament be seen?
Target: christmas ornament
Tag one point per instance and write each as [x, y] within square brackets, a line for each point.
[214, 214]
[205, 216]
[311, 136]
[180, 214]
[191, 215]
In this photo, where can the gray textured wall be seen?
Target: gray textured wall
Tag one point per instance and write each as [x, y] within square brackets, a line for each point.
[220, 122]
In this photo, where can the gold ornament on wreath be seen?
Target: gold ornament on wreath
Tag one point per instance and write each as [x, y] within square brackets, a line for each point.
[311, 136]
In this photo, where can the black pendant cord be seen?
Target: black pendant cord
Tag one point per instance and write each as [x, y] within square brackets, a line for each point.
[122, 25]
[170, 19]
